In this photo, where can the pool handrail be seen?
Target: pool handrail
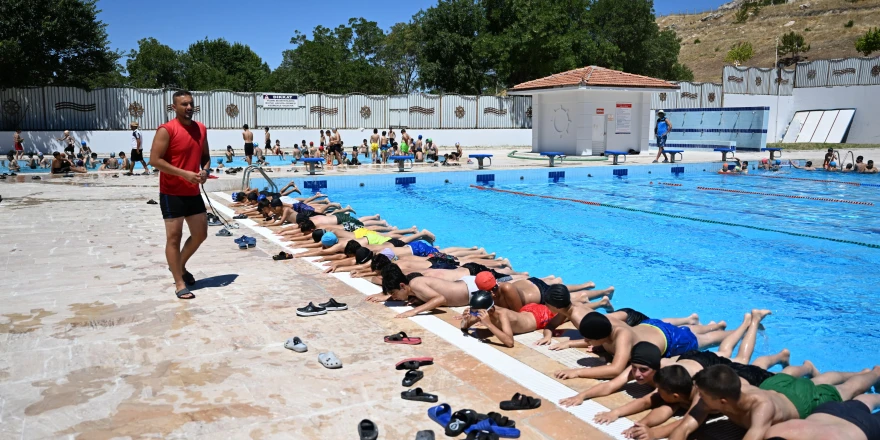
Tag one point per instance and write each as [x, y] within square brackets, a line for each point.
[245, 178]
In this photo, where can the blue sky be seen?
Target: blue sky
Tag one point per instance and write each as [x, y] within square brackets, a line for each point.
[266, 25]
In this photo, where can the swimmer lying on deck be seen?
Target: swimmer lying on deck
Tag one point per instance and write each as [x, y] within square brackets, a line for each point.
[504, 323]
[834, 421]
[516, 295]
[364, 262]
[779, 399]
[618, 338]
[431, 292]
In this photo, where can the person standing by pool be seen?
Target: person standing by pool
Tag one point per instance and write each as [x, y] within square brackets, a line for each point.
[248, 137]
[137, 148]
[374, 146]
[661, 130]
[268, 142]
[179, 152]
[68, 143]
[18, 143]
[335, 147]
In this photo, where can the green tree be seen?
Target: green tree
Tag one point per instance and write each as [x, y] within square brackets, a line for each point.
[400, 57]
[663, 62]
[454, 57]
[631, 26]
[54, 42]
[870, 42]
[154, 65]
[740, 53]
[217, 64]
[342, 60]
[793, 45]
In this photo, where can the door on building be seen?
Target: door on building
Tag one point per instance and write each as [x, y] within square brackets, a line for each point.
[598, 135]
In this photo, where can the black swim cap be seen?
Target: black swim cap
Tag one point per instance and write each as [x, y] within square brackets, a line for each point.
[558, 296]
[252, 196]
[276, 203]
[647, 354]
[595, 326]
[362, 255]
[317, 234]
[482, 300]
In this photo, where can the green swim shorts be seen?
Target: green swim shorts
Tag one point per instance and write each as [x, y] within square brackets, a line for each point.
[803, 393]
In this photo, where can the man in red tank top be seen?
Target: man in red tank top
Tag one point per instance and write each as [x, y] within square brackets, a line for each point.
[180, 152]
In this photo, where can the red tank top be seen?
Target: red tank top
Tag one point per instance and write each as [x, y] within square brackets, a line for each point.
[184, 152]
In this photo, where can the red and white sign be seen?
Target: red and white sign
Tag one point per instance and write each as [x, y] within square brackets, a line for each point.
[600, 111]
[624, 118]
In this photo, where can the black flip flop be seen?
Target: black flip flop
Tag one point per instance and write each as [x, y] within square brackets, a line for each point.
[282, 256]
[425, 435]
[188, 278]
[499, 419]
[520, 401]
[152, 202]
[417, 395]
[482, 435]
[460, 420]
[182, 294]
[411, 377]
[367, 430]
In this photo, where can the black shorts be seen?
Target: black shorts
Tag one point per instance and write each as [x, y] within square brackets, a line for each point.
[705, 358]
[753, 374]
[137, 155]
[249, 149]
[396, 242]
[854, 412]
[336, 148]
[633, 317]
[181, 206]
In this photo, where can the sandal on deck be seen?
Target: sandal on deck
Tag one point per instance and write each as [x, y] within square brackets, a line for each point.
[367, 430]
[417, 395]
[402, 338]
[411, 377]
[329, 360]
[520, 401]
[296, 344]
[282, 256]
[414, 363]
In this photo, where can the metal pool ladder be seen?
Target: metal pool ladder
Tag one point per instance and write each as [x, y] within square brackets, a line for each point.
[246, 178]
[849, 154]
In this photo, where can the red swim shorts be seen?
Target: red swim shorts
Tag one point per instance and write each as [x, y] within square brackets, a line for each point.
[18, 146]
[541, 313]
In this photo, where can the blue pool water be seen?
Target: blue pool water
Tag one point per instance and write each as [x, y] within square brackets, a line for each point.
[822, 293]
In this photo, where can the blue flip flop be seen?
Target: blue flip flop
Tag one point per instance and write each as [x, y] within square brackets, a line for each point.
[241, 242]
[251, 241]
[441, 414]
[491, 426]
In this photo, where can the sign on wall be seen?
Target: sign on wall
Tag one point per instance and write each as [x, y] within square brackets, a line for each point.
[280, 101]
[624, 118]
[600, 111]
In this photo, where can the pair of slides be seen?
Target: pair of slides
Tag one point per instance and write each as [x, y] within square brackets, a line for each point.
[213, 220]
[321, 309]
[367, 430]
[245, 242]
[477, 426]
[328, 360]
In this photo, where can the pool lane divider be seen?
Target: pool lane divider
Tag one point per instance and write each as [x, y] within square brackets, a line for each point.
[809, 180]
[542, 385]
[821, 199]
[682, 217]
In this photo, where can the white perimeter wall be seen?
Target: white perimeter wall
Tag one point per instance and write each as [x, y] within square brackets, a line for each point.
[551, 132]
[116, 141]
[781, 111]
[865, 127]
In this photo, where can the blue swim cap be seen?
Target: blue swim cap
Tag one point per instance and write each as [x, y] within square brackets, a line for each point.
[83, 142]
[256, 144]
[778, 162]
[329, 239]
[235, 197]
[420, 136]
[833, 163]
[261, 198]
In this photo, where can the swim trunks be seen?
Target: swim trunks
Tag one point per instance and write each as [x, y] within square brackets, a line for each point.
[661, 141]
[18, 146]
[753, 374]
[248, 148]
[439, 263]
[180, 206]
[471, 282]
[422, 249]
[803, 393]
[374, 147]
[302, 207]
[854, 412]
[475, 268]
[396, 242]
[305, 215]
[362, 232]
[343, 219]
[679, 340]
[705, 358]
[137, 155]
[375, 238]
[542, 287]
[541, 313]
[633, 317]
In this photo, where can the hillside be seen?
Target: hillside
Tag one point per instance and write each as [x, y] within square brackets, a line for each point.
[825, 20]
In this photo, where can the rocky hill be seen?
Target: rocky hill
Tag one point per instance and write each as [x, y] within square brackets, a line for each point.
[706, 38]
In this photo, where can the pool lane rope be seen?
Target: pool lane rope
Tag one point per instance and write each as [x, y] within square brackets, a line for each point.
[821, 199]
[643, 211]
[812, 180]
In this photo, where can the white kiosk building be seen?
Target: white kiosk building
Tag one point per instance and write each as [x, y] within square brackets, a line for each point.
[590, 110]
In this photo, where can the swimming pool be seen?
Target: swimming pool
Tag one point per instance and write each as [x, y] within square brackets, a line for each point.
[673, 250]
[273, 160]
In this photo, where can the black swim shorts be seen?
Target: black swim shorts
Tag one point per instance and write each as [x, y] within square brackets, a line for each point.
[633, 317]
[181, 206]
[854, 412]
[137, 155]
[249, 149]
[396, 242]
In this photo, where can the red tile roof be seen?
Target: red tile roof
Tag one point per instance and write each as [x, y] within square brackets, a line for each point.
[596, 77]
